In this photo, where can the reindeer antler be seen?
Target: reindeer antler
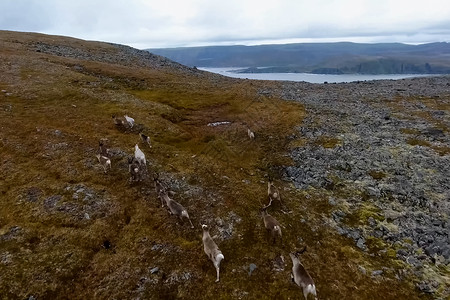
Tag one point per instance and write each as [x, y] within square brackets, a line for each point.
[264, 207]
[300, 251]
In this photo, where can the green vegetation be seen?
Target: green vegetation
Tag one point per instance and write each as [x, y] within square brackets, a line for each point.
[417, 137]
[377, 174]
[327, 142]
[365, 211]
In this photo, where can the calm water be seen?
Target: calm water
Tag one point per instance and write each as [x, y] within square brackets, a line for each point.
[313, 78]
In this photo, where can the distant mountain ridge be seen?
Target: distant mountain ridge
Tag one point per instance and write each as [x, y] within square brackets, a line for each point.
[320, 58]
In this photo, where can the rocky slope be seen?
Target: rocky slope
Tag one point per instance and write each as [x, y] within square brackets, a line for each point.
[362, 169]
[382, 149]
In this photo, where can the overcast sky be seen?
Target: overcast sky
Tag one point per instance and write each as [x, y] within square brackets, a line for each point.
[174, 23]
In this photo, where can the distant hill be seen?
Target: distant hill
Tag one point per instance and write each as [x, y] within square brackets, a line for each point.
[320, 58]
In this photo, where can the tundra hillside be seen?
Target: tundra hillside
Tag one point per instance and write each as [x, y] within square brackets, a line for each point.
[337, 153]
[319, 58]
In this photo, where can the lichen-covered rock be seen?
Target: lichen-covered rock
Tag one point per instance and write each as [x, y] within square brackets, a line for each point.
[393, 154]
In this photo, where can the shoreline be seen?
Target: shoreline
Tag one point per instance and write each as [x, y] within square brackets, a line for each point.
[311, 77]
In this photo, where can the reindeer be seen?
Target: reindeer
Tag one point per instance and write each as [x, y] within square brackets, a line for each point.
[301, 277]
[175, 208]
[251, 134]
[273, 192]
[104, 161]
[145, 139]
[135, 169]
[139, 155]
[271, 224]
[119, 122]
[211, 250]
[129, 120]
[102, 150]
[159, 188]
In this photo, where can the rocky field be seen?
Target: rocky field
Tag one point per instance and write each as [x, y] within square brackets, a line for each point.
[362, 168]
[382, 149]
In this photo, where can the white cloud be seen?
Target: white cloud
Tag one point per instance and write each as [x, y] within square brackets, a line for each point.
[156, 23]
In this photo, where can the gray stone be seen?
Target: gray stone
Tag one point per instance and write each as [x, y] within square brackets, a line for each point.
[13, 233]
[402, 252]
[378, 233]
[6, 258]
[186, 276]
[377, 272]
[219, 222]
[431, 250]
[341, 230]
[361, 244]
[332, 201]
[156, 247]
[354, 234]
[446, 252]
[425, 287]
[372, 191]
[371, 221]
[51, 201]
[413, 261]
[338, 215]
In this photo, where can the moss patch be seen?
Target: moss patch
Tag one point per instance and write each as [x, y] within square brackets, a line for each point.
[361, 215]
[417, 142]
[378, 175]
[327, 142]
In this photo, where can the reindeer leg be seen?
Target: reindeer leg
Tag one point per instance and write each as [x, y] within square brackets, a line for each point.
[192, 225]
[217, 271]
[268, 235]
[283, 206]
